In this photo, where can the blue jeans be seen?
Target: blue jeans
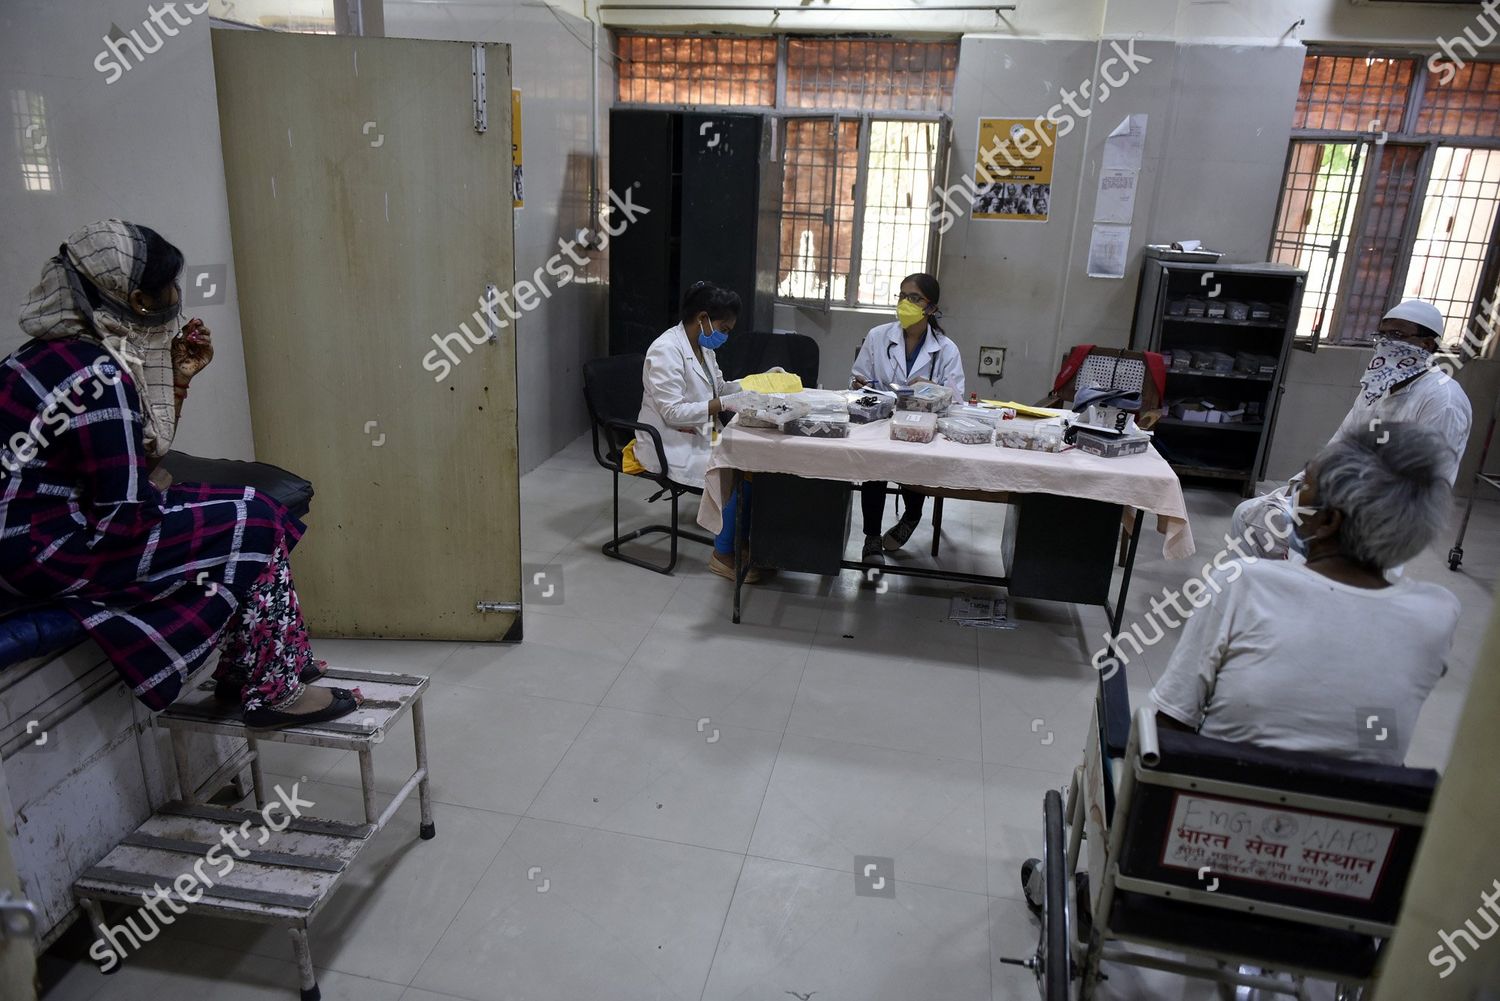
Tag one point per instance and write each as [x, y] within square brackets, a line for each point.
[724, 541]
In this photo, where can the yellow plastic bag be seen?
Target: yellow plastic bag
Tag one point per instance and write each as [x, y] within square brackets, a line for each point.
[628, 463]
[772, 382]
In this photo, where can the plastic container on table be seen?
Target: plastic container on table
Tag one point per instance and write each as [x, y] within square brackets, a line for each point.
[927, 397]
[819, 426]
[866, 407]
[966, 430]
[1111, 445]
[823, 401]
[1030, 436]
[770, 412]
[913, 425]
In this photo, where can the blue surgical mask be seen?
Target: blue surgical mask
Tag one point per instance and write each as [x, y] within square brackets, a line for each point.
[712, 339]
[1289, 509]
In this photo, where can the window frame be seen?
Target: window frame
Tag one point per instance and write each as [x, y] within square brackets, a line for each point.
[1372, 143]
[778, 115]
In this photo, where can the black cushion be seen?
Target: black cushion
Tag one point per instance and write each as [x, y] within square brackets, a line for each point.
[290, 490]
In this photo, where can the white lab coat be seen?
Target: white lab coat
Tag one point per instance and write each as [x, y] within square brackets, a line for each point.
[677, 391]
[882, 359]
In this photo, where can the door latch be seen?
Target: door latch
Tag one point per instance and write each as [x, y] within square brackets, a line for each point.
[18, 917]
[498, 606]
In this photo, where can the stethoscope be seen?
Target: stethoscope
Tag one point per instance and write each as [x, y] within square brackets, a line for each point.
[931, 357]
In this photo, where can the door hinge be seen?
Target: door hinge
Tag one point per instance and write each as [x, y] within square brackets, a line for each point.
[481, 113]
[18, 917]
[498, 606]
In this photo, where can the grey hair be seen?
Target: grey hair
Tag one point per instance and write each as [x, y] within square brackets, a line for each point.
[1391, 489]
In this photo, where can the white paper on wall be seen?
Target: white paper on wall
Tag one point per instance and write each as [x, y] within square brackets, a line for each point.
[1108, 249]
[1125, 147]
[1115, 201]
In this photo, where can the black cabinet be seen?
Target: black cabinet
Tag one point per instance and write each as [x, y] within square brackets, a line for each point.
[1227, 329]
[712, 194]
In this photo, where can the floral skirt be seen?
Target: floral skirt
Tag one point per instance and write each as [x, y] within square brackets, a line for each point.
[267, 640]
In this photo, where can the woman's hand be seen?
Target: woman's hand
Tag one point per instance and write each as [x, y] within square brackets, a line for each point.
[192, 352]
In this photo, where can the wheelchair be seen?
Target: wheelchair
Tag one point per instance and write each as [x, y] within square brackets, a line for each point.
[1239, 859]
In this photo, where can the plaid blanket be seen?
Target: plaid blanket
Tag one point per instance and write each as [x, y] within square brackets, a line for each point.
[154, 577]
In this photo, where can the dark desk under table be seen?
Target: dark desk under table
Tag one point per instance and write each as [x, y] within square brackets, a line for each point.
[1061, 532]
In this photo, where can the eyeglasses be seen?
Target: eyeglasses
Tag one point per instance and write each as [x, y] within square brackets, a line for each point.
[914, 297]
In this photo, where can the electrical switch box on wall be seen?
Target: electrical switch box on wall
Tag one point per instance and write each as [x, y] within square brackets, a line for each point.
[992, 362]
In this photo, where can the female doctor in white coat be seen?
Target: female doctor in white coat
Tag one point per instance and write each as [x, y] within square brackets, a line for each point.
[683, 393]
[911, 349]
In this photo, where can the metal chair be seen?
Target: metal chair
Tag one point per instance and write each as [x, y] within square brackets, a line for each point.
[612, 388]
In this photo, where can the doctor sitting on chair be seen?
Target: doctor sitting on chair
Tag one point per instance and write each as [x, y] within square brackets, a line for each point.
[911, 349]
[683, 393]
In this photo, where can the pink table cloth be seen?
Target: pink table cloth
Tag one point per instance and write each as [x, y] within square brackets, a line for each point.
[1136, 481]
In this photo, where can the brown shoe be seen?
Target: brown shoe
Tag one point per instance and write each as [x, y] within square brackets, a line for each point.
[724, 567]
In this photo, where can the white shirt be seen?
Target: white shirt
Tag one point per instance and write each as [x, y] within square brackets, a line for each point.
[882, 358]
[1285, 657]
[677, 391]
[1434, 400]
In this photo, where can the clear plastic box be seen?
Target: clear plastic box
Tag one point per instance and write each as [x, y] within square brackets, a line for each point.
[1111, 445]
[925, 397]
[966, 430]
[1030, 436]
[819, 426]
[865, 408]
[913, 425]
[770, 412]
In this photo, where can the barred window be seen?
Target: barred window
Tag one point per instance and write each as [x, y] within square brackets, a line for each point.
[1391, 191]
[862, 133]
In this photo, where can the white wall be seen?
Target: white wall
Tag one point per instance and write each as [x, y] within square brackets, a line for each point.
[144, 148]
[550, 63]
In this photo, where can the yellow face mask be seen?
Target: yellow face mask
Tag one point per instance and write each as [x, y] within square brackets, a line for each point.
[909, 313]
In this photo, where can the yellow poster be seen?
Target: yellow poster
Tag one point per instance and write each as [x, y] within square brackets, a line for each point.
[1013, 170]
[517, 194]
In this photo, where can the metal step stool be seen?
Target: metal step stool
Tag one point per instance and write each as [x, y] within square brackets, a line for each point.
[387, 697]
[290, 876]
[286, 880]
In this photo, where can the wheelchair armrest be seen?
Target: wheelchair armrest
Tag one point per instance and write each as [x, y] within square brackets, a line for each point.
[637, 427]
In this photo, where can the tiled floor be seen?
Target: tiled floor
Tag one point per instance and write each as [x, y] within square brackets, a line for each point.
[644, 801]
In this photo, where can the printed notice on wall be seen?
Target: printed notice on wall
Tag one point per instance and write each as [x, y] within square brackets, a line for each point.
[1116, 198]
[1225, 838]
[517, 189]
[1013, 169]
[1125, 146]
[1108, 250]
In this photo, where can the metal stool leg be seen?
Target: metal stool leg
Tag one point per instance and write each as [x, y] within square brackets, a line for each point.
[428, 830]
[96, 920]
[308, 976]
[257, 778]
[367, 786]
[184, 771]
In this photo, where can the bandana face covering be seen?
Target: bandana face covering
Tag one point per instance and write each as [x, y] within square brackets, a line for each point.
[109, 256]
[1395, 361]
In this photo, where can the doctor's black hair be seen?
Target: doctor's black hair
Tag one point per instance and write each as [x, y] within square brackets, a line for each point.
[705, 297]
[931, 291]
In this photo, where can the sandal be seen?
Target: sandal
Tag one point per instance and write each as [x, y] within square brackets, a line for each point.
[230, 688]
[344, 702]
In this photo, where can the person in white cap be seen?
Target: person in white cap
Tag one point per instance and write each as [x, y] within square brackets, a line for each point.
[1400, 385]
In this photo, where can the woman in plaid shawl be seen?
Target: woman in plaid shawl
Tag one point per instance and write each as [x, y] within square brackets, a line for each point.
[160, 575]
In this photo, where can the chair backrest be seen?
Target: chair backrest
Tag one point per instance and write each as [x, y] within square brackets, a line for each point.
[751, 351]
[1319, 841]
[612, 388]
[1114, 368]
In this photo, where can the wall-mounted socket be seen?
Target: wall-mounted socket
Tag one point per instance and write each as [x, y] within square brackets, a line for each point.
[992, 362]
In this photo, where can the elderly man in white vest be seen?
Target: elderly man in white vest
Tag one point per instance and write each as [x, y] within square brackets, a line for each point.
[1400, 385]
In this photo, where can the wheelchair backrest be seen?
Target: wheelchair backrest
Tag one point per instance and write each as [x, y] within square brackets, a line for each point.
[1285, 834]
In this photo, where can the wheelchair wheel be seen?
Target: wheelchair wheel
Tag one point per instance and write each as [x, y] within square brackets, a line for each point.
[1046, 884]
[1055, 969]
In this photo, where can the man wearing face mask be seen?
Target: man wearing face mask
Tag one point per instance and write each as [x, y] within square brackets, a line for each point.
[1400, 384]
[684, 392]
